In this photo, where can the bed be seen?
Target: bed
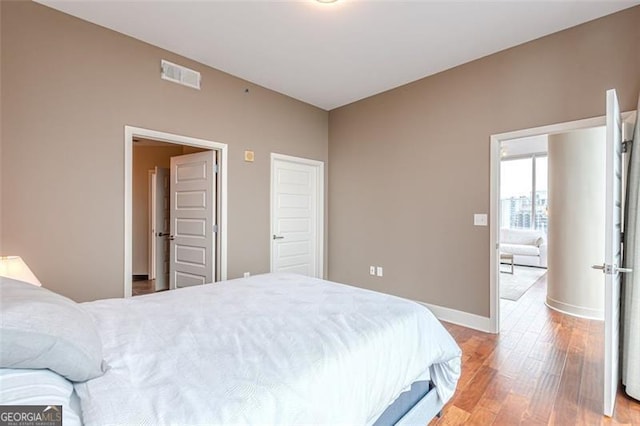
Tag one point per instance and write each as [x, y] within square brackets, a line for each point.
[269, 349]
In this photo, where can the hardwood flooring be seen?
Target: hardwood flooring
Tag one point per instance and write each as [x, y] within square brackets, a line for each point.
[544, 368]
[143, 287]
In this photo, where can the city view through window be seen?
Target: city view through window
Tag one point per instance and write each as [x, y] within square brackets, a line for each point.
[523, 193]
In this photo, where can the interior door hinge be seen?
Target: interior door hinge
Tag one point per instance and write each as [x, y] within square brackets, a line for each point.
[215, 229]
[215, 168]
[626, 145]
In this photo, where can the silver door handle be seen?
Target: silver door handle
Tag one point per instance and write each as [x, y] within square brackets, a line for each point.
[611, 269]
[278, 237]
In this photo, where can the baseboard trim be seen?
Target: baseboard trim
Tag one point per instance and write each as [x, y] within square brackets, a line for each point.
[139, 277]
[574, 310]
[464, 319]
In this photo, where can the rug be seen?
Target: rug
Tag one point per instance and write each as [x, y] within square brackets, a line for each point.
[512, 287]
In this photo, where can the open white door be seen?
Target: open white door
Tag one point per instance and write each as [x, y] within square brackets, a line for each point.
[613, 252]
[160, 221]
[297, 210]
[192, 219]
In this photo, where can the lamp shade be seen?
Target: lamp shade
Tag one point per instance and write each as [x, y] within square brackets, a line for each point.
[15, 268]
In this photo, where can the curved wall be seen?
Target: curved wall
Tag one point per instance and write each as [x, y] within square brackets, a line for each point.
[576, 222]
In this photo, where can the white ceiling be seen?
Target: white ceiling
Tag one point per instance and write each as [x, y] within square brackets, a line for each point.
[330, 55]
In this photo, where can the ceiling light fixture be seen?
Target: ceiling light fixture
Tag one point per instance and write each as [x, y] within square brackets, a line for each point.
[326, 1]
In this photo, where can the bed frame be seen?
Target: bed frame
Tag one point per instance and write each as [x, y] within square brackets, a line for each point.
[416, 406]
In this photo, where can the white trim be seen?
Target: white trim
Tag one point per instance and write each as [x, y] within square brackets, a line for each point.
[129, 133]
[575, 311]
[464, 319]
[494, 196]
[151, 230]
[494, 224]
[319, 165]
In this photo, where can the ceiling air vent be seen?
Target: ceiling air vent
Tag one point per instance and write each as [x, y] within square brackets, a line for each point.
[179, 74]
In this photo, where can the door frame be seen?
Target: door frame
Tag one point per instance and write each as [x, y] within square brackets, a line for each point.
[152, 213]
[494, 197]
[319, 165]
[130, 132]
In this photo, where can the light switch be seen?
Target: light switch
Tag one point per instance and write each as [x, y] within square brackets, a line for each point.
[379, 271]
[480, 219]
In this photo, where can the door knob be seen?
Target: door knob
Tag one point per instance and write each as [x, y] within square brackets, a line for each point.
[611, 269]
[278, 237]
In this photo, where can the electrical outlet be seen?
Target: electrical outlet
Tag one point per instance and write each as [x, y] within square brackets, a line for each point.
[379, 271]
[247, 274]
[372, 270]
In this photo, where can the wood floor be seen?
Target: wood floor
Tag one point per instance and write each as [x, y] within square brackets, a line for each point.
[544, 368]
[143, 287]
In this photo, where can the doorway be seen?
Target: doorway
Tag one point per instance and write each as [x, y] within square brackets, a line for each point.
[617, 125]
[174, 213]
[494, 209]
[218, 244]
[523, 216]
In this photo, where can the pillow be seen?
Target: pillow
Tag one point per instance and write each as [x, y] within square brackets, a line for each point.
[42, 329]
[40, 387]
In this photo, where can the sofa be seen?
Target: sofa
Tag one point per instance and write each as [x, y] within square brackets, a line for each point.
[528, 246]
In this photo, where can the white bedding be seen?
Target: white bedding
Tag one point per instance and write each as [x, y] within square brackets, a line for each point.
[270, 349]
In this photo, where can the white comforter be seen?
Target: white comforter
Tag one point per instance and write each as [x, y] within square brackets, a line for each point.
[270, 349]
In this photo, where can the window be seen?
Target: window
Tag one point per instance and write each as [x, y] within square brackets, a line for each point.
[541, 194]
[523, 193]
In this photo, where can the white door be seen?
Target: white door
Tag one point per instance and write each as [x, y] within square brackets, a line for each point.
[160, 225]
[613, 255]
[297, 215]
[192, 219]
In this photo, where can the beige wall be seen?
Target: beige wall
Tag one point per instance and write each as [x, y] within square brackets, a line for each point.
[69, 88]
[410, 167]
[145, 158]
